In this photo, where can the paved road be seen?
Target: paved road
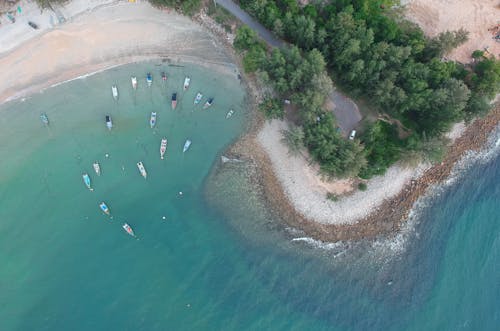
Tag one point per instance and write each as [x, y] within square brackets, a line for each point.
[345, 110]
[248, 20]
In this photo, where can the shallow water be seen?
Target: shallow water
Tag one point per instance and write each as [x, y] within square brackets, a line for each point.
[220, 260]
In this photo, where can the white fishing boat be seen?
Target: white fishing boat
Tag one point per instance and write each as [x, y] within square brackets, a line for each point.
[128, 229]
[163, 147]
[104, 208]
[198, 97]
[209, 102]
[114, 91]
[86, 180]
[97, 168]
[229, 113]
[109, 123]
[152, 120]
[149, 79]
[186, 146]
[142, 170]
[134, 82]
[187, 80]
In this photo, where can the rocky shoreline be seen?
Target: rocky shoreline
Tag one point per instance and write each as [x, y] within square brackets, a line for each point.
[389, 217]
[386, 219]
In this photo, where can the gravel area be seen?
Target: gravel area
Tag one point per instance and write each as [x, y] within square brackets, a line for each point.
[300, 183]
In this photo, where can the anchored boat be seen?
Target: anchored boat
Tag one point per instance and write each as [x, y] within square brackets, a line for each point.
[134, 82]
[208, 103]
[198, 98]
[44, 118]
[86, 180]
[186, 146]
[104, 208]
[149, 79]
[109, 124]
[128, 229]
[163, 76]
[174, 100]
[187, 80]
[114, 91]
[97, 168]
[163, 147]
[152, 120]
[229, 113]
[142, 170]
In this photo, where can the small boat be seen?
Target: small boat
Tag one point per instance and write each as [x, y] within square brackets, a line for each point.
[44, 118]
[163, 147]
[114, 91]
[149, 79]
[152, 120]
[198, 98]
[174, 100]
[134, 82]
[142, 170]
[129, 230]
[163, 76]
[86, 180]
[186, 146]
[229, 113]
[187, 80]
[104, 208]
[208, 103]
[109, 124]
[97, 168]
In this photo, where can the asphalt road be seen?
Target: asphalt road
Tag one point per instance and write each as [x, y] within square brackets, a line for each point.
[345, 110]
[248, 20]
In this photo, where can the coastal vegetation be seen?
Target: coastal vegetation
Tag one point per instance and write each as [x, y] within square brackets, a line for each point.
[188, 7]
[379, 57]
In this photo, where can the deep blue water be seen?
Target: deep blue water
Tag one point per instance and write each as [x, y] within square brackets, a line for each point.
[221, 260]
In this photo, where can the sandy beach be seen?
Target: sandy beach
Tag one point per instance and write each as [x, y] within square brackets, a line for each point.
[101, 37]
[475, 16]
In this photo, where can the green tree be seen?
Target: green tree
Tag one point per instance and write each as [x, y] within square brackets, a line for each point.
[272, 108]
[293, 138]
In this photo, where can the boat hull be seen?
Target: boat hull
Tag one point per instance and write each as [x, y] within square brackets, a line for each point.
[163, 147]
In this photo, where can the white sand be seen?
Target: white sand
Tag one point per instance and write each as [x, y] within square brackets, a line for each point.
[307, 192]
[476, 16]
[101, 37]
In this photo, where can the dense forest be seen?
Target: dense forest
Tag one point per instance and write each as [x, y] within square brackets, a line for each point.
[379, 58]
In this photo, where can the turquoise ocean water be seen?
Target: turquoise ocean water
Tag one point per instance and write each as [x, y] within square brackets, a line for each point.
[220, 260]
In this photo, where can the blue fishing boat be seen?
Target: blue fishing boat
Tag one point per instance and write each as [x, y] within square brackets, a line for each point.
[104, 208]
[149, 79]
[86, 180]
[198, 98]
[44, 118]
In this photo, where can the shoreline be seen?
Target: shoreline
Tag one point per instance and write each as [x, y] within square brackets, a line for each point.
[96, 40]
[391, 215]
[215, 51]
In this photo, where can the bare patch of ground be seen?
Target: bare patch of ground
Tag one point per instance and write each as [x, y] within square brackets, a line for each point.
[475, 16]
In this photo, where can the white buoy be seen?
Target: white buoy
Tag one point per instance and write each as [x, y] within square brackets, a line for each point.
[164, 217]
